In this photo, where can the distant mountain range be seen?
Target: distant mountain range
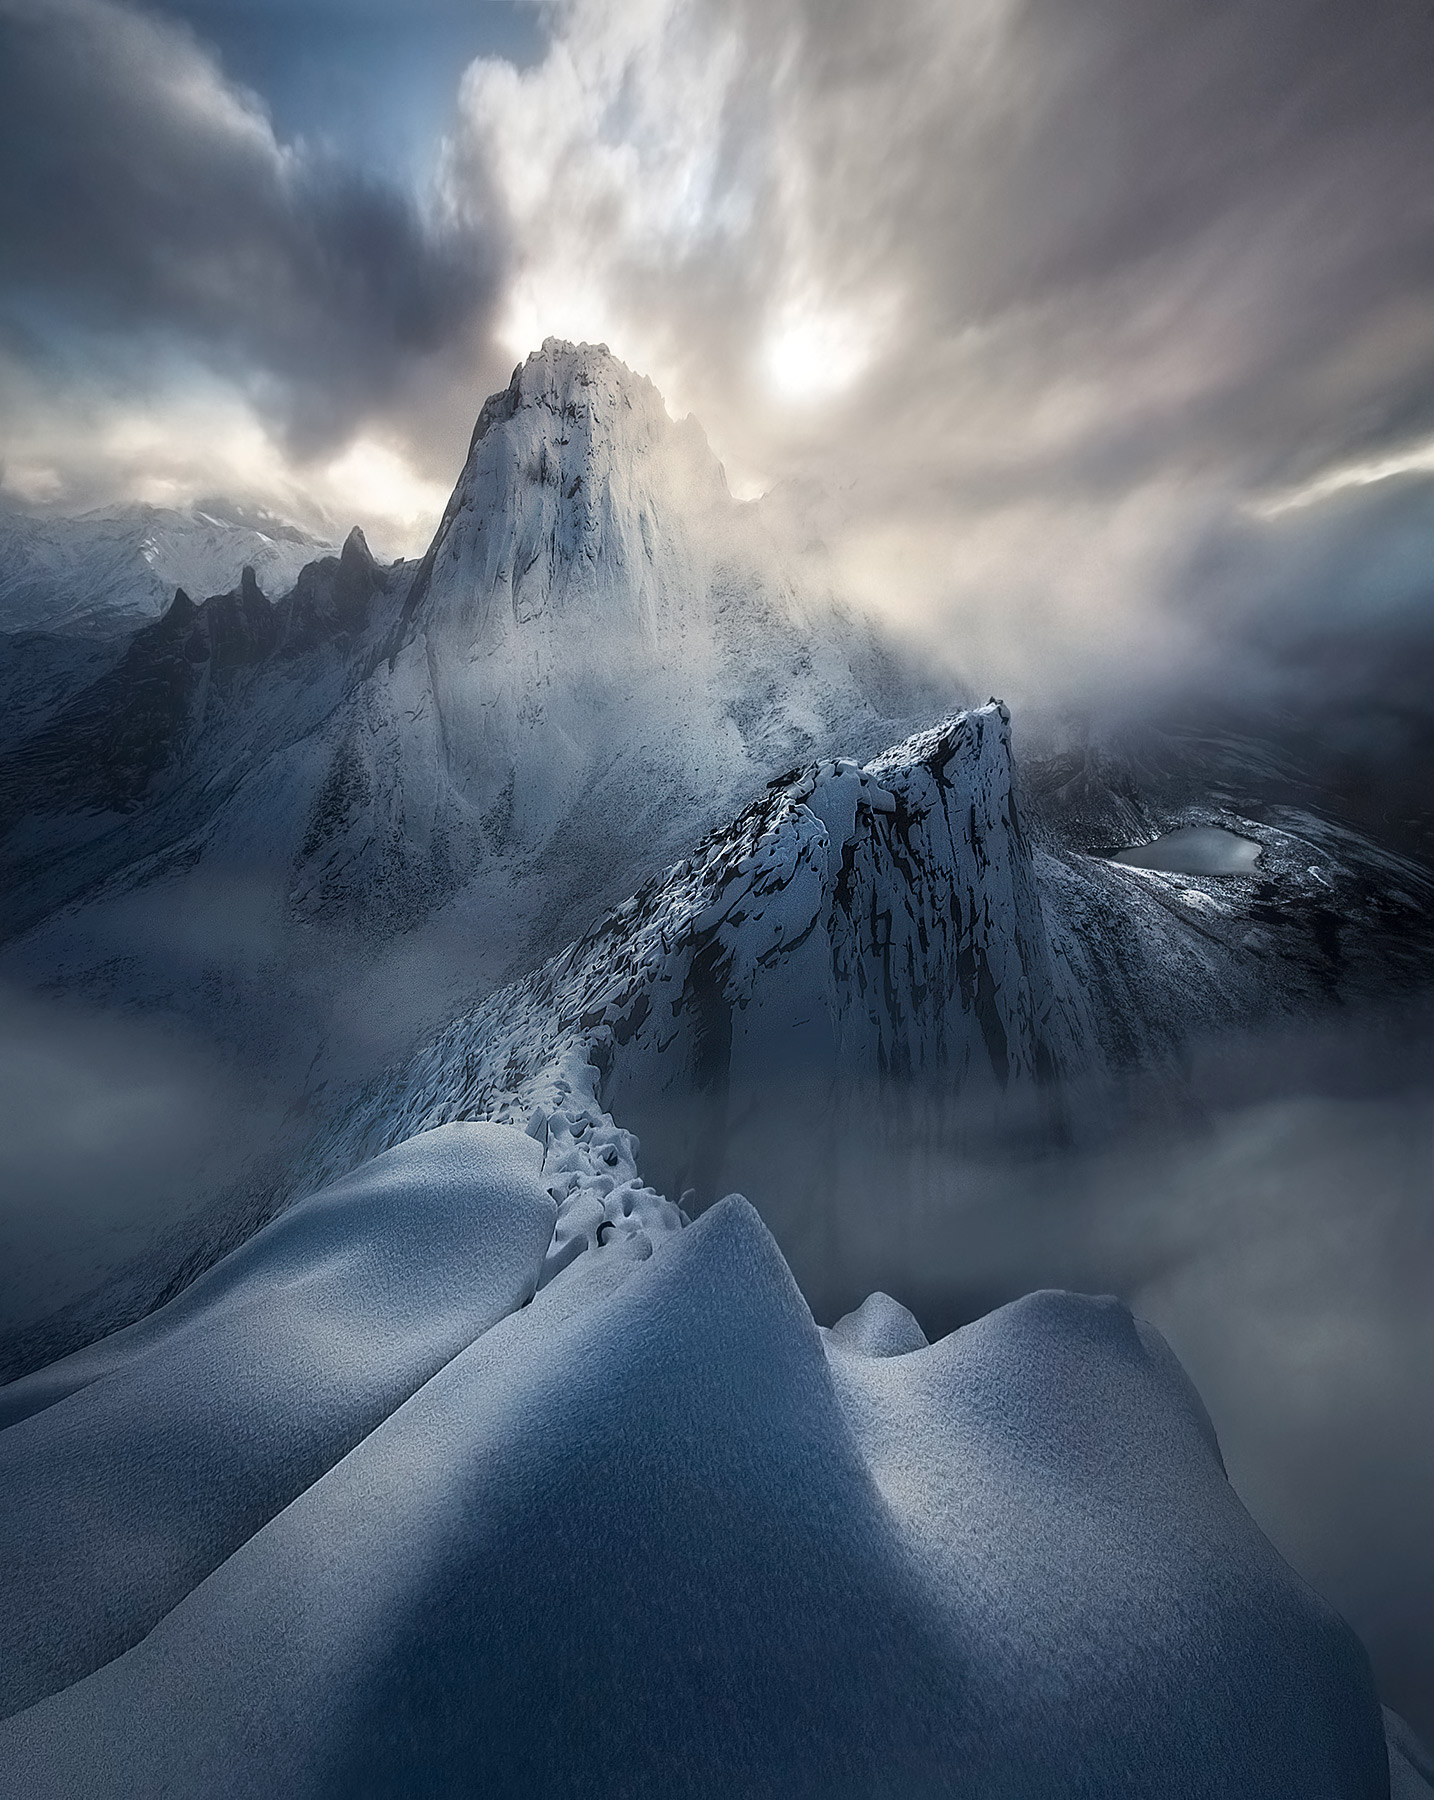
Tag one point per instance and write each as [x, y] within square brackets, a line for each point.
[106, 572]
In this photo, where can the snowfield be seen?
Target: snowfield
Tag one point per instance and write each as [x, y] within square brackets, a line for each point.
[350, 1518]
[105, 572]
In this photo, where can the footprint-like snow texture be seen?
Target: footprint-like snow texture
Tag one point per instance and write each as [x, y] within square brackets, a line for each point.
[134, 1468]
[655, 1534]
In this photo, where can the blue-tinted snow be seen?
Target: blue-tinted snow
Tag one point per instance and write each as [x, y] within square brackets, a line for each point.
[1411, 1767]
[145, 1460]
[656, 1534]
[880, 1326]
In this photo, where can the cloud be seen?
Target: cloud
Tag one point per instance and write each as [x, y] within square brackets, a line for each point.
[112, 1130]
[1047, 293]
[1025, 308]
[1127, 211]
[150, 219]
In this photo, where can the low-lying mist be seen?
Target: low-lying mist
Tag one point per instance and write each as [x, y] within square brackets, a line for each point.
[1268, 1207]
[150, 1108]
[112, 1128]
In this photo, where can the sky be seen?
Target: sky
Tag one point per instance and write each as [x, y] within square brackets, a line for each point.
[1086, 336]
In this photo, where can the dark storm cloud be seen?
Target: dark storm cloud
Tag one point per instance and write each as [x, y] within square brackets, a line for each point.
[1215, 222]
[1114, 272]
[1115, 269]
[1193, 250]
[140, 193]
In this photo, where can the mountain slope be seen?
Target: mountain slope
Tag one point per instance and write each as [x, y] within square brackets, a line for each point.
[314, 825]
[107, 572]
[651, 1533]
[851, 923]
[875, 956]
[150, 752]
[598, 659]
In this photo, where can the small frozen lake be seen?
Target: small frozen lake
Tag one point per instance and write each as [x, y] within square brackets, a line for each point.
[1197, 850]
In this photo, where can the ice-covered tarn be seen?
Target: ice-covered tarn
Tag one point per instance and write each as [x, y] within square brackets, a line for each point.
[372, 1509]
[1195, 850]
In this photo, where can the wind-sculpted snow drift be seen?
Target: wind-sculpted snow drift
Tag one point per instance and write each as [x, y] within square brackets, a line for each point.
[187, 1431]
[365, 1524]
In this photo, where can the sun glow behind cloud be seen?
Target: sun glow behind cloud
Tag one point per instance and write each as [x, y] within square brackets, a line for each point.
[930, 259]
[1417, 459]
[815, 352]
[377, 482]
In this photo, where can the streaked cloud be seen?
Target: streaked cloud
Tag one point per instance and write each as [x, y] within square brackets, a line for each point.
[1015, 310]
[156, 236]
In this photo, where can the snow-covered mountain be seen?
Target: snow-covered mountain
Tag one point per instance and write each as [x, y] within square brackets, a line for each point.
[851, 924]
[488, 1427]
[598, 657]
[105, 573]
[157, 746]
[433, 776]
[597, 660]
[865, 944]
[40, 671]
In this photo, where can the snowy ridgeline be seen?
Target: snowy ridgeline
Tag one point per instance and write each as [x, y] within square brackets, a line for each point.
[878, 920]
[483, 1467]
[854, 925]
[106, 572]
[371, 1509]
[601, 656]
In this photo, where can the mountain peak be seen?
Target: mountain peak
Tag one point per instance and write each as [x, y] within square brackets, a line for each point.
[356, 555]
[563, 375]
[579, 493]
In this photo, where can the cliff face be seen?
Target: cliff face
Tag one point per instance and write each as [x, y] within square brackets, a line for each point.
[598, 656]
[852, 926]
[153, 749]
[870, 965]
[597, 660]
